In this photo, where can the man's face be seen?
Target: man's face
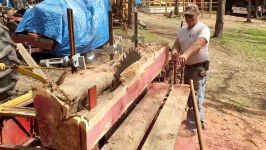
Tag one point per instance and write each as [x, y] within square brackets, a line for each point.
[191, 20]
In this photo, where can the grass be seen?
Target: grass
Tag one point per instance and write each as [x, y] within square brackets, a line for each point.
[148, 37]
[249, 42]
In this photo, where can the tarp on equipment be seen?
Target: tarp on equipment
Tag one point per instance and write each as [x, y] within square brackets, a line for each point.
[138, 2]
[49, 18]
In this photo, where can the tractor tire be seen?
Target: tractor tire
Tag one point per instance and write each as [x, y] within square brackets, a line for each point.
[8, 56]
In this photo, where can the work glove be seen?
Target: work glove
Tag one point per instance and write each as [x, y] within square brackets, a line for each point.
[2, 66]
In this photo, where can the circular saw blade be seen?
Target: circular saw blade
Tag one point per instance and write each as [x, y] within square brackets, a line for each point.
[128, 58]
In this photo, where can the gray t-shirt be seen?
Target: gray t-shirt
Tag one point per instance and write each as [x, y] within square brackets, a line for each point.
[188, 37]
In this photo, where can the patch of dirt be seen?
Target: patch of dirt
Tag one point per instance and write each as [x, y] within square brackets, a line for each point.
[236, 89]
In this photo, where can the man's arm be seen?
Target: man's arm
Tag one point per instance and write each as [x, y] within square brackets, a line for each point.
[176, 48]
[194, 48]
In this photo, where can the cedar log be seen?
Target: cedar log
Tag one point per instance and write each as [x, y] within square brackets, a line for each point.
[61, 126]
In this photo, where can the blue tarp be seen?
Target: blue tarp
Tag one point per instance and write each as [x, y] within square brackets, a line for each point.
[138, 2]
[8, 3]
[49, 18]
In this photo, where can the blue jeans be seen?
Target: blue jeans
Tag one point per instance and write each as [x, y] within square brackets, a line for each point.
[199, 83]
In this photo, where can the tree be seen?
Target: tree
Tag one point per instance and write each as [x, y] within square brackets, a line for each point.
[219, 19]
[177, 7]
[249, 11]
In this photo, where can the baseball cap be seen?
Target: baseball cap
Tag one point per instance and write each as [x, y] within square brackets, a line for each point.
[191, 9]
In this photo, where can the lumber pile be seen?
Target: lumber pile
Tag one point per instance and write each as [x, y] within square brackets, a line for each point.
[63, 124]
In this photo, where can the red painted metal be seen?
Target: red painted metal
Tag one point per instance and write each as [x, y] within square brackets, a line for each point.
[92, 97]
[11, 133]
[18, 19]
[94, 134]
[34, 40]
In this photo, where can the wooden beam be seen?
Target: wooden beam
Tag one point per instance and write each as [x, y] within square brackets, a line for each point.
[18, 111]
[29, 60]
[164, 133]
[18, 100]
[132, 130]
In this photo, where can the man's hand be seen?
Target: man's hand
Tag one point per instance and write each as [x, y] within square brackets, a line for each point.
[182, 60]
[174, 54]
[2, 66]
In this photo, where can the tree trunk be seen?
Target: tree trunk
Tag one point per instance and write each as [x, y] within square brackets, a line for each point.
[219, 19]
[130, 11]
[177, 7]
[249, 11]
[256, 12]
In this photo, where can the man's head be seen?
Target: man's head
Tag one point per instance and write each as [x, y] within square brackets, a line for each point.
[191, 15]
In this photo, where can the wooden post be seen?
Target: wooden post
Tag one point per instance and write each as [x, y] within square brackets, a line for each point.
[197, 118]
[210, 8]
[183, 6]
[166, 1]
[202, 7]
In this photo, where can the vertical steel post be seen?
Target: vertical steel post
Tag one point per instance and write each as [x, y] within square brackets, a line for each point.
[175, 67]
[71, 37]
[111, 34]
[182, 74]
[136, 28]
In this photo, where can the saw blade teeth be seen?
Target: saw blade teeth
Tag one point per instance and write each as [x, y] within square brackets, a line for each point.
[128, 58]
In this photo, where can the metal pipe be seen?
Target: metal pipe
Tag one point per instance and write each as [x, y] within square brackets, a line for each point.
[136, 28]
[182, 74]
[175, 66]
[111, 34]
[71, 37]
[197, 118]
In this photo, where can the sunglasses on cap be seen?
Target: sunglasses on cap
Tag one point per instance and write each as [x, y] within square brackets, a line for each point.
[189, 16]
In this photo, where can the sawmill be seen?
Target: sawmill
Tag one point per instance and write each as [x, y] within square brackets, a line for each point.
[134, 99]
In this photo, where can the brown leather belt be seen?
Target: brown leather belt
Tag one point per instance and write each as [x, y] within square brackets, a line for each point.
[197, 64]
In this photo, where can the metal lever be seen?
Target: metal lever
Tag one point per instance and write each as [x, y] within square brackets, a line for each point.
[71, 39]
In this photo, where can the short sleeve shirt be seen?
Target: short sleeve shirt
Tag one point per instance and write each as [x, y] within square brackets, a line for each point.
[188, 36]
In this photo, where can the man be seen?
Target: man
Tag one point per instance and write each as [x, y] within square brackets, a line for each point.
[191, 51]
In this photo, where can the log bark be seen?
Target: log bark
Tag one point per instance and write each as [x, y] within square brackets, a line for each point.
[57, 105]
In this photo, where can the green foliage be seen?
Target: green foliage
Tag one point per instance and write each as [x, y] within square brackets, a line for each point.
[249, 42]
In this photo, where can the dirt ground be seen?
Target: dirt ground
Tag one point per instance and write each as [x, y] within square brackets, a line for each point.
[236, 89]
